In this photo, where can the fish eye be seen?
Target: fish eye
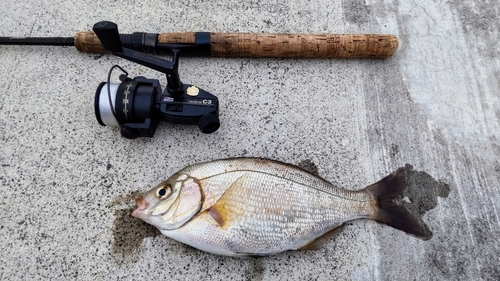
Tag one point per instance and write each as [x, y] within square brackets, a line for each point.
[163, 191]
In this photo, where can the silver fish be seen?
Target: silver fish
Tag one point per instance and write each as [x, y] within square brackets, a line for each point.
[251, 206]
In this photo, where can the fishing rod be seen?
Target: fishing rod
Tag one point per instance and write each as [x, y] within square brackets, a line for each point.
[136, 105]
[212, 44]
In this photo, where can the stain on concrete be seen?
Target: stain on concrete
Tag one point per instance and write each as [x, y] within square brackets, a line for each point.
[422, 191]
[129, 232]
[309, 166]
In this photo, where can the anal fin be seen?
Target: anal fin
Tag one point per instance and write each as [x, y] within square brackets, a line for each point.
[317, 243]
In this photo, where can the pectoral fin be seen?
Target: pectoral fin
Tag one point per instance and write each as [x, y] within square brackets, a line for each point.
[216, 215]
[317, 243]
[230, 207]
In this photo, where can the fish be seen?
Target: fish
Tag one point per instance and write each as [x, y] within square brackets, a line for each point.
[262, 207]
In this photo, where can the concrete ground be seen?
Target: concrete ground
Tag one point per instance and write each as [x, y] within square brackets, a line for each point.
[68, 184]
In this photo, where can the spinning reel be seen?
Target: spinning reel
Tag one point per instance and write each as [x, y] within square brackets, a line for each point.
[137, 104]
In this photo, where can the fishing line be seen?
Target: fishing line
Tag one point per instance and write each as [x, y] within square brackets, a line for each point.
[109, 89]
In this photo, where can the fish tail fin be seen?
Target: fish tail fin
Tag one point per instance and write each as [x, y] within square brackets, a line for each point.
[387, 201]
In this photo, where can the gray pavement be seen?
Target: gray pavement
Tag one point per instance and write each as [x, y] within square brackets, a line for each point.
[67, 184]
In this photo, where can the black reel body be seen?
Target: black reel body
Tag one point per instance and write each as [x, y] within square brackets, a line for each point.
[138, 104]
[197, 107]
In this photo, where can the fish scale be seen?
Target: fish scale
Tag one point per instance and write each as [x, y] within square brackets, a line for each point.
[205, 171]
[306, 211]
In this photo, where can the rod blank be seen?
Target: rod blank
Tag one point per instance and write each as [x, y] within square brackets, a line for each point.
[45, 41]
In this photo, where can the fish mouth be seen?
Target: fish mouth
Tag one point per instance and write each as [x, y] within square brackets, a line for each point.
[142, 205]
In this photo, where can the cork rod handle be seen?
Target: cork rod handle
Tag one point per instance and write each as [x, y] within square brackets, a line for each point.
[303, 45]
[270, 45]
[88, 42]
